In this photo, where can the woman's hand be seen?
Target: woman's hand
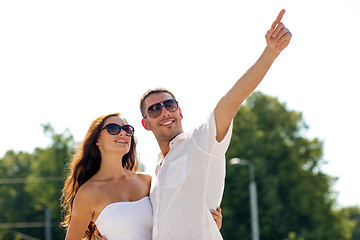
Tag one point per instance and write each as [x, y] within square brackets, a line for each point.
[217, 217]
[98, 235]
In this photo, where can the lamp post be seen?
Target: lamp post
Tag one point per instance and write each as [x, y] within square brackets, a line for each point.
[253, 196]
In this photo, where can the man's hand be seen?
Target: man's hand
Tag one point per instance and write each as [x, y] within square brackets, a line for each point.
[278, 37]
[217, 217]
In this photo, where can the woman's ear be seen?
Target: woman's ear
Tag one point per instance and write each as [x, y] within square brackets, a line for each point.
[145, 124]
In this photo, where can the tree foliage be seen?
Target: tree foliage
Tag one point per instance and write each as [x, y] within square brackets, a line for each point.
[294, 196]
[353, 214]
[14, 206]
[39, 178]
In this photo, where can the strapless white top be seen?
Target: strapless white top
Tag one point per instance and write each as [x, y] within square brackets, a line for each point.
[126, 220]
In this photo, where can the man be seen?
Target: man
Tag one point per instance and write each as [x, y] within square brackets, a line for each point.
[191, 169]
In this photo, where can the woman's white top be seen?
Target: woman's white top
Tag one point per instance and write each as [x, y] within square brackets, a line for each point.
[126, 220]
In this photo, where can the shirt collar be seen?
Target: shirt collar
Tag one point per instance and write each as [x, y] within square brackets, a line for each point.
[179, 138]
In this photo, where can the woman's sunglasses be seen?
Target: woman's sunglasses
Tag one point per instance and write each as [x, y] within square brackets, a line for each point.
[155, 109]
[115, 129]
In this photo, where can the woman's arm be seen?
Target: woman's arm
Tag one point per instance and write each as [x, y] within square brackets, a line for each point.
[81, 215]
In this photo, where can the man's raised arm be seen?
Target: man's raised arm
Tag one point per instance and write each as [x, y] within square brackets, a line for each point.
[277, 39]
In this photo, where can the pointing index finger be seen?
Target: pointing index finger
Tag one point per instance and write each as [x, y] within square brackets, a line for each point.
[278, 19]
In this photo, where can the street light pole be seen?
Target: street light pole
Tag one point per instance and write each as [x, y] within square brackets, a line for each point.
[47, 224]
[253, 196]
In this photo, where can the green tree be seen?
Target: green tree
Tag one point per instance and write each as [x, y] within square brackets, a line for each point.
[13, 208]
[49, 163]
[353, 214]
[294, 195]
[44, 174]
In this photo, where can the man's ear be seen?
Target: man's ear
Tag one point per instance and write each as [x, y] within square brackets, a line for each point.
[181, 115]
[145, 124]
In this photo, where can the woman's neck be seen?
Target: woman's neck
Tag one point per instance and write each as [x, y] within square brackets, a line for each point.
[111, 166]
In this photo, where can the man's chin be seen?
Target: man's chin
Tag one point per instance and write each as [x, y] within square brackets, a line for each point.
[170, 135]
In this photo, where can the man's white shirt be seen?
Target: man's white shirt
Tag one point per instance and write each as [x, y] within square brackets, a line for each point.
[189, 182]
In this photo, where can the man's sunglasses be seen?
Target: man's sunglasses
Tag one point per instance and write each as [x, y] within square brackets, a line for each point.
[155, 109]
[115, 129]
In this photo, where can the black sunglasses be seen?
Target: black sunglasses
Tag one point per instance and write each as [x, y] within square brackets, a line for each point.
[155, 109]
[115, 129]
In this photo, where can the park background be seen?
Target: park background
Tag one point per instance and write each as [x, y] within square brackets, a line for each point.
[65, 63]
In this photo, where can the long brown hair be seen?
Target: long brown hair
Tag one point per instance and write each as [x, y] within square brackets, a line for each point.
[85, 163]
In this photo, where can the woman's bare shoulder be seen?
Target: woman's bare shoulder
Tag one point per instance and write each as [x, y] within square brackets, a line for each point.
[144, 176]
[84, 201]
[88, 192]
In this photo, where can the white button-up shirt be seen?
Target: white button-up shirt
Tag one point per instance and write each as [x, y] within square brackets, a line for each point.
[189, 182]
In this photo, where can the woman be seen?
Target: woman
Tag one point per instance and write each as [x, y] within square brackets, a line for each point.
[104, 190]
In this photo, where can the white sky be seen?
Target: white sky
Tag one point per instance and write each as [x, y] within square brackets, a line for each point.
[68, 62]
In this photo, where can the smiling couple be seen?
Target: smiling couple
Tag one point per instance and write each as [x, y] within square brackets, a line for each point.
[104, 190]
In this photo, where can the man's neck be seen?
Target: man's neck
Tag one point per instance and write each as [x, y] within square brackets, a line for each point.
[164, 144]
[164, 147]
